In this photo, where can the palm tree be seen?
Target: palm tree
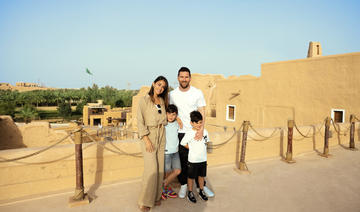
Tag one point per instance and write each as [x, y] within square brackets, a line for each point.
[28, 113]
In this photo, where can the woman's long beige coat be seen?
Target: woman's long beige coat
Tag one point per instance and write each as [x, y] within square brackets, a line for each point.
[151, 123]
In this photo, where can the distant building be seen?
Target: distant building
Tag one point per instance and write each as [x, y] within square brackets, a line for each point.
[97, 114]
[314, 49]
[23, 86]
[28, 84]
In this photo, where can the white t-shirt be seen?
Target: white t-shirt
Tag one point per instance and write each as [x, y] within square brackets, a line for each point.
[172, 139]
[186, 102]
[197, 148]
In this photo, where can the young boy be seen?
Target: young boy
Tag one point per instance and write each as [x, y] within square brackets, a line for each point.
[197, 156]
[172, 159]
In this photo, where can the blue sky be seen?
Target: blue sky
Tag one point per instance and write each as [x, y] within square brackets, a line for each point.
[126, 44]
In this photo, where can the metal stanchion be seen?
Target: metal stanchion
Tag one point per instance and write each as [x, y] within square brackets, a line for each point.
[79, 198]
[326, 138]
[242, 165]
[289, 151]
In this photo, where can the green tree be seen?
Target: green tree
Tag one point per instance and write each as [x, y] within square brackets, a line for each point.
[7, 102]
[7, 108]
[28, 113]
[93, 93]
[49, 96]
[80, 107]
[119, 103]
[64, 110]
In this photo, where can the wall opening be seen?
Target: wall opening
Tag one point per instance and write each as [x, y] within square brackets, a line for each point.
[318, 49]
[97, 122]
[230, 112]
[338, 115]
[213, 113]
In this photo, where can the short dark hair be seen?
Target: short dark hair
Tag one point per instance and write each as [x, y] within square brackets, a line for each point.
[184, 69]
[172, 109]
[195, 116]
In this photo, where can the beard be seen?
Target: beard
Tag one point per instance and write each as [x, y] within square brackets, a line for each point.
[184, 85]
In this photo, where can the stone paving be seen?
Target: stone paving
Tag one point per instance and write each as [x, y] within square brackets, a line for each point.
[313, 183]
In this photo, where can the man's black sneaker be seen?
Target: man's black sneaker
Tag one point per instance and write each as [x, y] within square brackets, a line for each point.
[203, 195]
[191, 197]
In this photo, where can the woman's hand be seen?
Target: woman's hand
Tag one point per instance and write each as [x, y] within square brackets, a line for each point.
[148, 144]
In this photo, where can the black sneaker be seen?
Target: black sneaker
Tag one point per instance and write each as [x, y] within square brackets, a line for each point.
[191, 197]
[203, 195]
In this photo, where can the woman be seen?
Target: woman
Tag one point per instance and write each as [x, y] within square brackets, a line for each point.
[151, 118]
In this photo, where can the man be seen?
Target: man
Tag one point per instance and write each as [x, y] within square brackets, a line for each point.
[187, 99]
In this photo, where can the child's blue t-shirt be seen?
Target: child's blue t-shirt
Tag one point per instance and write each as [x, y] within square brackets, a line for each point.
[172, 139]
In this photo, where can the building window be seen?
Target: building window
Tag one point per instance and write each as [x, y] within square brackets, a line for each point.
[338, 115]
[230, 112]
[318, 49]
[213, 113]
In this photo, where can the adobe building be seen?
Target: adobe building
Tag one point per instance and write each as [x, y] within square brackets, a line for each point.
[23, 86]
[306, 90]
[95, 114]
[28, 84]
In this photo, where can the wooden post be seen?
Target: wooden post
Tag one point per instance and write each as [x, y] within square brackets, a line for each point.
[326, 138]
[352, 130]
[242, 164]
[289, 151]
[79, 198]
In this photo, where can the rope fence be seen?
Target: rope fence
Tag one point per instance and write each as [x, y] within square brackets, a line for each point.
[305, 136]
[119, 152]
[266, 137]
[35, 153]
[216, 146]
[244, 129]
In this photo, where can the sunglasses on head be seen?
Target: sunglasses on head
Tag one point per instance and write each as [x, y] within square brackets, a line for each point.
[158, 108]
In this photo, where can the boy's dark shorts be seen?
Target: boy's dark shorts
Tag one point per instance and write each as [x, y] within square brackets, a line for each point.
[196, 169]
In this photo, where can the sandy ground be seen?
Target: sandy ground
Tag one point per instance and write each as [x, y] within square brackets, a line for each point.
[313, 183]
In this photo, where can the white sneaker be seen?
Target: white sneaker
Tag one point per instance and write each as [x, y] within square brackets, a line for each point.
[182, 192]
[208, 192]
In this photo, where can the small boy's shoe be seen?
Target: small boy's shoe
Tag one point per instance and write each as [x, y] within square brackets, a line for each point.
[203, 195]
[164, 194]
[182, 192]
[171, 193]
[191, 197]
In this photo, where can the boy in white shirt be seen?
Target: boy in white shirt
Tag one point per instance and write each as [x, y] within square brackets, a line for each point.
[172, 159]
[197, 156]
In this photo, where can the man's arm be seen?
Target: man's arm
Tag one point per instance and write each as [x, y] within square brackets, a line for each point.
[185, 141]
[178, 120]
[199, 134]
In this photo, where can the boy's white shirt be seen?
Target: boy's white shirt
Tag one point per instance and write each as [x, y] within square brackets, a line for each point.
[197, 148]
[172, 139]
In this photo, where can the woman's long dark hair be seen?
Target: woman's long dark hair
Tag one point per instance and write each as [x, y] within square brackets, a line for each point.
[164, 94]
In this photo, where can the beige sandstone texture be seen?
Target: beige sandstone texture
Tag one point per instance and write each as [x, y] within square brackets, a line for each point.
[10, 135]
[34, 134]
[54, 170]
[305, 90]
[39, 134]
